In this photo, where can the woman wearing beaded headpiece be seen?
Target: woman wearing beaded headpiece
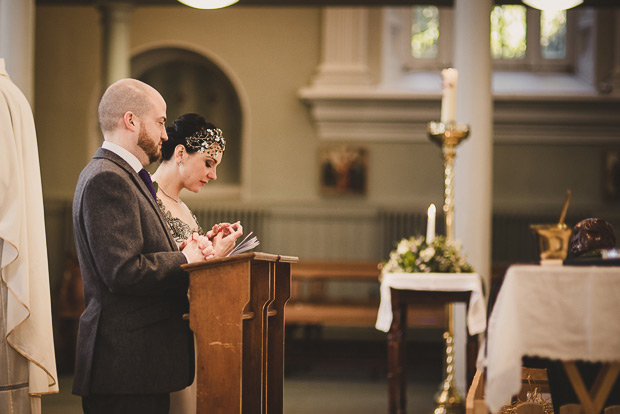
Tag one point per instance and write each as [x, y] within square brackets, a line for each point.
[190, 158]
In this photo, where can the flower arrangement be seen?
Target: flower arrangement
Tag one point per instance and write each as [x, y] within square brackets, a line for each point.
[415, 255]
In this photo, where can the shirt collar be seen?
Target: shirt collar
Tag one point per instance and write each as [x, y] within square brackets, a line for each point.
[124, 154]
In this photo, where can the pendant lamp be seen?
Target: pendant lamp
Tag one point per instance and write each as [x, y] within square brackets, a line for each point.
[552, 5]
[208, 4]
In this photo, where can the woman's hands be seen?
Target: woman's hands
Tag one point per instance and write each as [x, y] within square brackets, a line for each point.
[224, 237]
[218, 242]
[198, 248]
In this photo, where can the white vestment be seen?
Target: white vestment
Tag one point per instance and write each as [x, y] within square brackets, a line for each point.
[23, 253]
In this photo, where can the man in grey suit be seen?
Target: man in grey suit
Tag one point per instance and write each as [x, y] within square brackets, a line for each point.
[134, 347]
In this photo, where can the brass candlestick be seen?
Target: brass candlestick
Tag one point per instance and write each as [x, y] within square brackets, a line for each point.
[448, 136]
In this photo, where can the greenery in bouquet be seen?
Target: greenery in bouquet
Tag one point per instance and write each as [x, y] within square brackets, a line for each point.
[415, 255]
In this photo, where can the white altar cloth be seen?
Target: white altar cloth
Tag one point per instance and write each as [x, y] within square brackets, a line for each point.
[559, 312]
[444, 282]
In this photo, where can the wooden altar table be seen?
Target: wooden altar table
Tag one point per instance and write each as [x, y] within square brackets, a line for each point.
[237, 315]
[558, 312]
[401, 290]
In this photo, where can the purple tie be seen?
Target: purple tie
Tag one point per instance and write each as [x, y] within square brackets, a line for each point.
[146, 177]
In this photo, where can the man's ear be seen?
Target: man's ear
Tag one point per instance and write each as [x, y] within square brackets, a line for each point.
[130, 121]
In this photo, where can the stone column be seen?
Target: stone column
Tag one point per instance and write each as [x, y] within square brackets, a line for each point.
[344, 59]
[17, 19]
[115, 18]
[474, 157]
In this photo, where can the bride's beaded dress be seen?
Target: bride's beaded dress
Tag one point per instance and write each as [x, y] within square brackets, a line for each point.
[180, 230]
[184, 401]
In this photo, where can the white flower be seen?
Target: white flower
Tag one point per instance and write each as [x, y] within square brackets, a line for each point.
[402, 247]
[458, 246]
[427, 254]
[440, 256]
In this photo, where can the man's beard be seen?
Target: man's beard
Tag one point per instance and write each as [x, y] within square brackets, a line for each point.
[150, 148]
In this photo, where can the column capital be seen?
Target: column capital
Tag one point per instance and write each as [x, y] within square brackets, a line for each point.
[344, 49]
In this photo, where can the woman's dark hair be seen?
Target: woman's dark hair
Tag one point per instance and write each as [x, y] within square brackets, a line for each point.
[184, 126]
[591, 234]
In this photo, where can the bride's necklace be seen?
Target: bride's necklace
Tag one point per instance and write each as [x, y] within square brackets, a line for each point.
[178, 201]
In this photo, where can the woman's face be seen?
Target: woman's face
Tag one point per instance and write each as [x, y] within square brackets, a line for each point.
[198, 169]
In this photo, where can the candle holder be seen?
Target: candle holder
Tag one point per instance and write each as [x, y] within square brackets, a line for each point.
[448, 136]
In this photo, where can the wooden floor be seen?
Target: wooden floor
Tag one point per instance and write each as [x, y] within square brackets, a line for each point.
[330, 375]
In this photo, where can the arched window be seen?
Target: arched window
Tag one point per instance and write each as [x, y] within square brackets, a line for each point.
[189, 82]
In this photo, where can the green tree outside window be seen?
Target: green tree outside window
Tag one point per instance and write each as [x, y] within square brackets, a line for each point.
[553, 34]
[508, 32]
[425, 32]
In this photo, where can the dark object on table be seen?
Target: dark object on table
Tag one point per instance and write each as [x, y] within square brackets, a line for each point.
[591, 239]
[591, 234]
[595, 258]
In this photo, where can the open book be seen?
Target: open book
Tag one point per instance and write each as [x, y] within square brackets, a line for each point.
[247, 244]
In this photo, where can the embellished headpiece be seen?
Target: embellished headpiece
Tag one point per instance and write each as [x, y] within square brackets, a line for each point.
[209, 141]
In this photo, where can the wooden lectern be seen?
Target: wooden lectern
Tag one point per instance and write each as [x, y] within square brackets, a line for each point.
[237, 315]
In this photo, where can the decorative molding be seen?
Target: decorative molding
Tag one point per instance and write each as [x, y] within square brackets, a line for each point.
[384, 116]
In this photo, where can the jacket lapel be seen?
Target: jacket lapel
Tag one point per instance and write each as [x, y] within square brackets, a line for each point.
[109, 155]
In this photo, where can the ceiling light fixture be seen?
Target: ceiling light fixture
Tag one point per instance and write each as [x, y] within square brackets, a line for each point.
[208, 4]
[552, 5]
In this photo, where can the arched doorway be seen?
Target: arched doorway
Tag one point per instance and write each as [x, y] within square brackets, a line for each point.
[190, 82]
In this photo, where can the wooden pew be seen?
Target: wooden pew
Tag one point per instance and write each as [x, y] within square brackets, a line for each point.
[311, 303]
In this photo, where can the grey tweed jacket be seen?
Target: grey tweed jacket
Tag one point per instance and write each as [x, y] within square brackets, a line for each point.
[132, 338]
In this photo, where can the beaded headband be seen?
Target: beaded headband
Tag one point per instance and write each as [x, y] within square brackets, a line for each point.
[209, 141]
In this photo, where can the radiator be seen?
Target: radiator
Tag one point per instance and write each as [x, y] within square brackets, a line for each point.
[395, 225]
[252, 220]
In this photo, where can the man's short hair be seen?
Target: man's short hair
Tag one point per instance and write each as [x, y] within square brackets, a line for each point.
[123, 96]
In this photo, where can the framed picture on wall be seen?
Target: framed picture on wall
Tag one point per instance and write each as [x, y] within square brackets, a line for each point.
[344, 169]
[611, 174]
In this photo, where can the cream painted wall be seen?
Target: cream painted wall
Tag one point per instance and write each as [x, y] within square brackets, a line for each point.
[67, 70]
[272, 53]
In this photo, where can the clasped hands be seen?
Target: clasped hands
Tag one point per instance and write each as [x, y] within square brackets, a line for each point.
[218, 242]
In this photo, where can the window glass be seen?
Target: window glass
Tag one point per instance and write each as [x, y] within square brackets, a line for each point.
[425, 32]
[508, 32]
[553, 34]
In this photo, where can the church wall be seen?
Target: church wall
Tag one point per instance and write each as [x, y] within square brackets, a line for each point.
[273, 52]
[67, 70]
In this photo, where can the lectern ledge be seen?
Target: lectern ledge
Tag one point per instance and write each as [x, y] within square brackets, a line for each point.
[237, 315]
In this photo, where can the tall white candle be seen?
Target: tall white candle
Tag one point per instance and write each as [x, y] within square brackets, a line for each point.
[448, 98]
[430, 225]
